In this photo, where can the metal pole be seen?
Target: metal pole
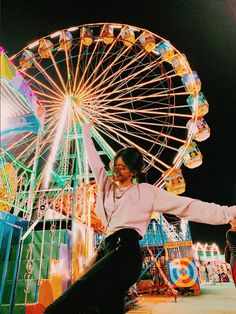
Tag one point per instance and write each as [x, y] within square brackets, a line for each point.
[33, 176]
[16, 273]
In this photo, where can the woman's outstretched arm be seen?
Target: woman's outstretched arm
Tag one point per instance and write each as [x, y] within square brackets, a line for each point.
[193, 209]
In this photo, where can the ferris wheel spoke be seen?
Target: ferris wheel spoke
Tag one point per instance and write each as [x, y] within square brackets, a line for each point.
[142, 136]
[69, 71]
[116, 84]
[38, 83]
[138, 98]
[25, 150]
[111, 79]
[142, 114]
[77, 71]
[59, 73]
[106, 70]
[83, 81]
[78, 89]
[149, 122]
[144, 130]
[139, 117]
[133, 144]
[85, 71]
[21, 141]
[155, 111]
[130, 101]
[45, 96]
[13, 145]
[150, 66]
[48, 77]
[50, 106]
[135, 131]
[127, 90]
[53, 106]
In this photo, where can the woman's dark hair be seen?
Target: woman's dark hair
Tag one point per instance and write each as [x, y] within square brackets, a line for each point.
[133, 160]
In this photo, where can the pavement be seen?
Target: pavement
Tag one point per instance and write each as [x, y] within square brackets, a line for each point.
[218, 299]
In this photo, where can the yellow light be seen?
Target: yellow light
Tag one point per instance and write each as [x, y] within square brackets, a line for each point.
[33, 45]
[56, 34]
[73, 28]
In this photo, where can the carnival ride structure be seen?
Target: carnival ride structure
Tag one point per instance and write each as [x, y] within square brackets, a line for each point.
[138, 90]
[207, 252]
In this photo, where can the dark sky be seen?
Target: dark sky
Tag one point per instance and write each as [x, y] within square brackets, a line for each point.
[205, 30]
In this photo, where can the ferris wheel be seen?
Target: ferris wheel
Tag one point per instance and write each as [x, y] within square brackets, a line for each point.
[135, 85]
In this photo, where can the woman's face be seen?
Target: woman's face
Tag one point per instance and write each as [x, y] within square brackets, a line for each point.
[121, 172]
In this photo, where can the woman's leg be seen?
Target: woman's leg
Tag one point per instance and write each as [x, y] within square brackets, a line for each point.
[111, 275]
[90, 288]
[130, 265]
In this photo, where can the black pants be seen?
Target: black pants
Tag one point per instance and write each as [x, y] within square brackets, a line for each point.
[105, 284]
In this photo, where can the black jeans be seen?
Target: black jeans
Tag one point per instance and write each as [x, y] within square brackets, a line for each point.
[104, 285]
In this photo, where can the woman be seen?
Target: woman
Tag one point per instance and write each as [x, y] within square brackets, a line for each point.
[125, 208]
[230, 257]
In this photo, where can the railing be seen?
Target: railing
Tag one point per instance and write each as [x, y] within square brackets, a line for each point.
[9, 232]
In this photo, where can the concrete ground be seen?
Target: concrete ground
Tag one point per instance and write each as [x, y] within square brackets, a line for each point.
[217, 299]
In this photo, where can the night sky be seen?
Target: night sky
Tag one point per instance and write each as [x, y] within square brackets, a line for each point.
[204, 30]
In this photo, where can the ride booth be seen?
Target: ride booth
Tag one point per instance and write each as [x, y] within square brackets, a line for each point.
[182, 269]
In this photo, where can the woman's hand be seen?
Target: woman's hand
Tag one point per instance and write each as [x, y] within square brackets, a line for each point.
[233, 223]
[91, 122]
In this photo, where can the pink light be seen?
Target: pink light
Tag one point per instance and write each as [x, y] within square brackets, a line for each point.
[11, 62]
[2, 49]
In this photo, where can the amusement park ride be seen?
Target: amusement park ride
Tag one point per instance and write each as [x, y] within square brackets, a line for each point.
[140, 91]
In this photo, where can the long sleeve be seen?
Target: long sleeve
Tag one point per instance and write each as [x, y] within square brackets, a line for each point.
[192, 209]
[97, 166]
[94, 160]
